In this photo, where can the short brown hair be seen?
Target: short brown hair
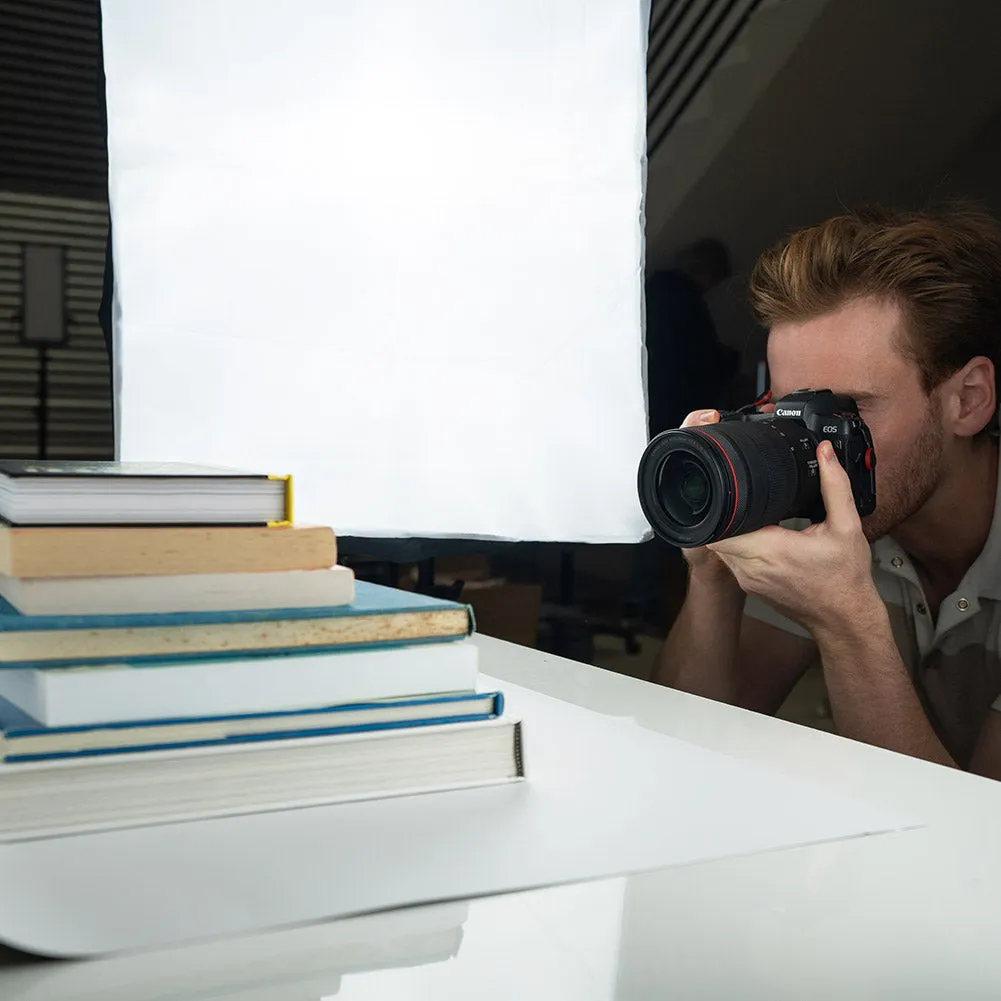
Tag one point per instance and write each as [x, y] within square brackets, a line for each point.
[942, 268]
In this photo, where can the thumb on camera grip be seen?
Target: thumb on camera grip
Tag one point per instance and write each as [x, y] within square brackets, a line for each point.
[836, 489]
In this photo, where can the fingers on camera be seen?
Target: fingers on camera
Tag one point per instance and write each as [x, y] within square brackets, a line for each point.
[700, 417]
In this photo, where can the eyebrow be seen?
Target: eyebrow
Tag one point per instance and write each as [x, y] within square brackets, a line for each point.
[859, 396]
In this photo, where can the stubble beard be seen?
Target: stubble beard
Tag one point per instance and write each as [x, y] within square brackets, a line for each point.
[911, 484]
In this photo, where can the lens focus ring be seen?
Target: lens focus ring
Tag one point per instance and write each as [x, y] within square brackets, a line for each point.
[759, 472]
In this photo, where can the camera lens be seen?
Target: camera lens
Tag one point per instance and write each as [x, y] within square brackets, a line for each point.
[700, 485]
[684, 486]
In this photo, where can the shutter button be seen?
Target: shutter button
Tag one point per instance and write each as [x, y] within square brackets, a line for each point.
[962, 604]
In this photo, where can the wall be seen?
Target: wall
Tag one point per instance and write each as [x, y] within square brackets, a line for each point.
[893, 101]
[975, 173]
[53, 190]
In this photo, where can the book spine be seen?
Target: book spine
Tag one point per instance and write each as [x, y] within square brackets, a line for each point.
[289, 502]
[452, 705]
[12, 757]
[232, 653]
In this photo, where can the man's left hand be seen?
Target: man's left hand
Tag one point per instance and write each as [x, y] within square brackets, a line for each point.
[819, 576]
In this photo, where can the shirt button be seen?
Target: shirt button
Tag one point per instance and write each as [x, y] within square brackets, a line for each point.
[897, 561]
[962, 604]
[922, 610]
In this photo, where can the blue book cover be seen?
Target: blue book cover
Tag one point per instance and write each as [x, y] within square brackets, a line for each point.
[23, 738]
[370, 599]
[378, 617]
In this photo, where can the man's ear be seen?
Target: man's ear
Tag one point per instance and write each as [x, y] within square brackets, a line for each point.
[970, 397]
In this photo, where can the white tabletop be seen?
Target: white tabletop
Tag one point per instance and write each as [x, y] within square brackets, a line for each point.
[910, 915]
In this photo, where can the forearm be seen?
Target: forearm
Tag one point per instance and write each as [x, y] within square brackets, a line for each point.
[700, 652]
[872, 696]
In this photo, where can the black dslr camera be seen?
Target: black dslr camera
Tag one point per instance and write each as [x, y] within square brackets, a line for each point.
[703, 484]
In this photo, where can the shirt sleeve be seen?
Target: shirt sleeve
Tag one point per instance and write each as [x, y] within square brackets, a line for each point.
[763, 612]
[996, 704]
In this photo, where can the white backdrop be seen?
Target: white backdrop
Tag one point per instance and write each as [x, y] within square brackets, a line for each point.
[393, 247]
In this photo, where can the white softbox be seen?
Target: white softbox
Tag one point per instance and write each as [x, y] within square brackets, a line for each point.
[393, 247]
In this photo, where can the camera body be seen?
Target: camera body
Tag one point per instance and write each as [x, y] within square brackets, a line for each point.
[834, 418]
[750, 469]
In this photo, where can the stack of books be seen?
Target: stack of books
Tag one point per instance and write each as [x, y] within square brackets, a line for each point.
[173, 646]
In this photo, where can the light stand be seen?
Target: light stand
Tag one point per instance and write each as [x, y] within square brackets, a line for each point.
[43, 318]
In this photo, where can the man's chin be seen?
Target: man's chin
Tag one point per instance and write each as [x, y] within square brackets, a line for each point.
[875, 528]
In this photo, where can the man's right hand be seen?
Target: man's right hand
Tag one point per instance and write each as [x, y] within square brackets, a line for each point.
[704, 563]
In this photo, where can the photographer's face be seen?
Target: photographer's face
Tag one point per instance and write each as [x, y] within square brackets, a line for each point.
[856, 350]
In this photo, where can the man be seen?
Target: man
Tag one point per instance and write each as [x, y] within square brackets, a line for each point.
[902, 311]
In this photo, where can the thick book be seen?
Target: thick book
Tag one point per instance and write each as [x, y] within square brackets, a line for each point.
[23, 738]
[225, 592]
[379, 616]
[54, 492]
[74, 795]
[115, 693]
[137, 552]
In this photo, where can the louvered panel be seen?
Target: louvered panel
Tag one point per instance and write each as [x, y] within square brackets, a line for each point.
[79, 411]
[687, 40]
[52, 136]
[20, 432]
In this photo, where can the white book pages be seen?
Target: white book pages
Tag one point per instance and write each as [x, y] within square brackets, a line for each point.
[118, 693]
[203, 592]
[393, 248]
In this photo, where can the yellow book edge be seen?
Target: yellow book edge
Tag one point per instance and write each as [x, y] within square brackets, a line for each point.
[289, 502]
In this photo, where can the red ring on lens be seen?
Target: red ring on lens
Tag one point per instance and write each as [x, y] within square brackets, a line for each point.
[733, 475]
